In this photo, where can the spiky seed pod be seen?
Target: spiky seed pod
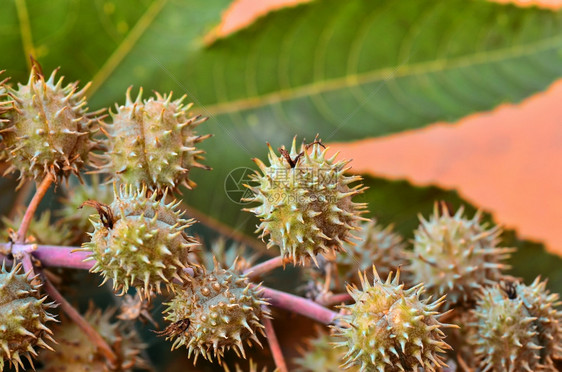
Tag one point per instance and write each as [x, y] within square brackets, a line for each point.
[322, 355]
[252, 367]
[377, 246]
[217, 311]
[136, 308]
[139, 241]
[317, 289]
[41, 230]
[74, 217]
[5, 106]
[23, 314]
[454, 255]
[504, 336]
[227, 255]
[153, 142]
[49, 131]
[5, 103]
[544, 306]
[305, 202]
[391, 329]
[75, 352]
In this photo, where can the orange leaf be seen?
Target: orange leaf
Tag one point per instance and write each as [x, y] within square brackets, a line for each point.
[508, 161]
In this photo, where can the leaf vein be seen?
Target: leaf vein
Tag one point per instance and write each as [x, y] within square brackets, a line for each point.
[379, 74]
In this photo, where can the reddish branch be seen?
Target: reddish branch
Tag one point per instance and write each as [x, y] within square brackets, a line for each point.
[59, 256]
[20, 249]
[92, 334]
[65, 257]
[52, 255]
[265, 267]
[335, 299]
[274, 345]
[299, 305]
[32, 207]
[26, 221]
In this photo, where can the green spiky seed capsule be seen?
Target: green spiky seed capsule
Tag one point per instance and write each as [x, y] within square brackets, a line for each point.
[305, 202]
[517, 328]
[377, 246]
[23, 314]
[391, 329]
[216, 311]
[227, 255]
[545, 307]
[139, 241]
[505, 336]
[153, 142]
[41, 230]
[49, 129]
[454, 256]
[251, 367]
[322, 354]
[75, 352]
[77, 219]
[5, 103]
[5, 106]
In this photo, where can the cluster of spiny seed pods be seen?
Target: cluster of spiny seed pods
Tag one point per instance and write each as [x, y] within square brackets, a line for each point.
[138, 239]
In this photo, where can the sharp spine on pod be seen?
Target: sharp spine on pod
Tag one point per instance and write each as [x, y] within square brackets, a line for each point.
[305, 202]
[321, 354]
[153, 142]
[139, 241]
[215, 311]
[454, 255]
[75, 352]
[23, 314]
[47, 129]
[516, 328]
[379, 246]
[391, 329]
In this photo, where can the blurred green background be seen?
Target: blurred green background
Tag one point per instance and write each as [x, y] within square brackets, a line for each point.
[346, 70]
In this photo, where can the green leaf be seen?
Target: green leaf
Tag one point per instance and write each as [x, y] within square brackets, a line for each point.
[89, 40]
[348, 69]
[399, 203]
[92, 39]
[344, 69]
[354, 69]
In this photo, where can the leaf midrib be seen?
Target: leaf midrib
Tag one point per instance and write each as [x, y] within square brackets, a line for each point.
[126, 45]
[25, 31]
[357, 79]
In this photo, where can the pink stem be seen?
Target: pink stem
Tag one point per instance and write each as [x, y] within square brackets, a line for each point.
[64, 257]
[57, 256]
[32, 207]
[274, 345]
[264, 267]
[26, 221]
[298, 305]
[60, 253]
[335, 299]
